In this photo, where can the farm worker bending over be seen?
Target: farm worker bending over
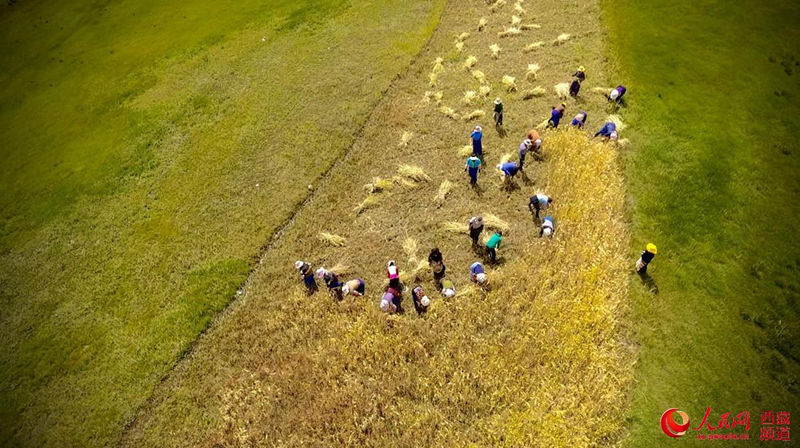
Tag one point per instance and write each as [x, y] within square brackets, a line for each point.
[477, 274]
[391, 301]
[617, 94]
[354, 287]
[580, 120]
[436, 262]
[477, 141]
[510, 170]
[393, 273]
[475, 229]
[498, 112]
[307, 275]
[645, 258]
[421, 301]
[331, 281]
[534, 137]
[448, 289]
[493, 245]
[548, 227]
[556, 114]
[580, 75]
[523, 150]
[473, 167]
[539, 202]
[608, 131]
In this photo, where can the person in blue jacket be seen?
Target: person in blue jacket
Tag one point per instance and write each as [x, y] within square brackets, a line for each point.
[556, 114]
[608, 131]
[477, 141]
[510, 170]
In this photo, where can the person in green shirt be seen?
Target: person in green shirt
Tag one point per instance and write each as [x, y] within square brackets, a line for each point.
[472, 167]
[492, 245]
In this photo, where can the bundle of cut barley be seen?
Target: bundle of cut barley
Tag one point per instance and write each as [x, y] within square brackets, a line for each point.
[469, 97]
[495, 49]
[438, 67]
[563, 37]
[530, 47]
[370, 201]
[485, 89]
[405, 138]
[470, 62]
[477, 74]
[481, 24]
[533, 93]
[449, 112]
[533, 69]
[433, 79]
[444, 188]
[510, 82]
[530, 26]
[413, 172]
[492, 221]
[515, 20]
[459, 46]
[465, 151]
[455, 227]
[562, 90]
[603, 90]
[331, 239]
[462, 37]
[410, 246]
[497, 5]
[505, 158]
[477, 113]
[511, 31]
[519, 9]
[378, 185]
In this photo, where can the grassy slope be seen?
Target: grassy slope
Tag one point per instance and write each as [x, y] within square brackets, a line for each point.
[134, 135]
[535, 362]
[714, 182]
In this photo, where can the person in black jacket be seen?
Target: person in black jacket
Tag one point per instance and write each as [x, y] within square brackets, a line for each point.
[645, 258]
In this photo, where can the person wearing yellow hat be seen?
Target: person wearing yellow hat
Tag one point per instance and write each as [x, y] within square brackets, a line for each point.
[580, 74]
[645, 258]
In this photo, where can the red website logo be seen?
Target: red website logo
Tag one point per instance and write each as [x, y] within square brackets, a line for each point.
[670, 426]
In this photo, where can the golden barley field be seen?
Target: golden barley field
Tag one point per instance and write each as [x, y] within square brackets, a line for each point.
[540, 358]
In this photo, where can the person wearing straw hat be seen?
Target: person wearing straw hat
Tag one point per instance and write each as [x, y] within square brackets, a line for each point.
[608, 131]
[498, 112]
[645, 258]
[477, 141]
[473, 167]
[421, 301]
[548, 227]
[579, 120]
[307, 275]
[477, 274]
[355, 287]
[556, 114]
[580, 74]
[475, 229]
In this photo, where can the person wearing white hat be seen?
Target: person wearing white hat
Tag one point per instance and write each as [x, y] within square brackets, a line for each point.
[539, 202]
[307, 275]
[477, 141]
[421, 301]
[475, 228]
[523, 150]
[617, 94]
[498, 112]
[477, 274]
[608, 131]
[331, 281]
[548, 227]
[354, 287]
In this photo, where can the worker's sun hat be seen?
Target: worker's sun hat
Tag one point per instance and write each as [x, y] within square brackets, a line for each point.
[425, 301]
[652, 248]
[481, 278]
[499, 166]
[390, 263]
[450, 292]
[320, 272]
[528, 141]
[478, 128]
[345, 290]
[298, 264]
[538, 141]
[614, 135]
[563, 104]
[547, 231]
[497, 101]
[580, 69]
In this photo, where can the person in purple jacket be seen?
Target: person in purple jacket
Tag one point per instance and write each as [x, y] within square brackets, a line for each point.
[617, 94]
[580, 120]
[510, 170]
[556, 114]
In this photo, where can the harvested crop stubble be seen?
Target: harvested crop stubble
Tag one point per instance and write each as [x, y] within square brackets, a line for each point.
[492, 221]
[455, 227]
[332, 239]
[449, 112]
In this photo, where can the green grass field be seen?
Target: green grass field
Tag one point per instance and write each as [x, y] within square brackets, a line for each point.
[713, 181]
[149, 150]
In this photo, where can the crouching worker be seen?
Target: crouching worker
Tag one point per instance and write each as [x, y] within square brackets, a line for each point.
[645, 258]
[556, 114]
[548, 227]
[509, 169]
[391, 302]
[617, 94]
[421, 301]
[436, 262]
[307, 275]
[448, 289]
[477, 274]
[579, 120]
[493, 245]
[332, 282]
[608, 131]
[539, 202]
[354, 287]
[394, 274]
